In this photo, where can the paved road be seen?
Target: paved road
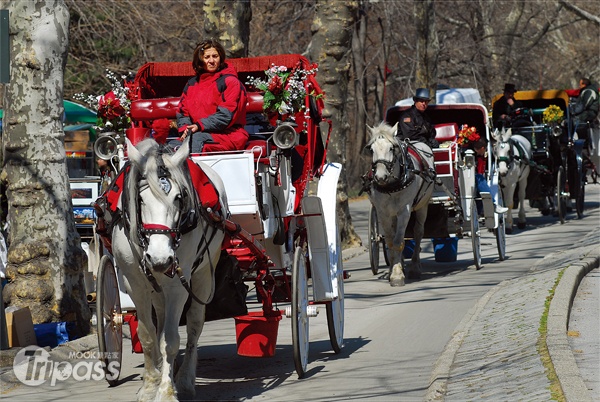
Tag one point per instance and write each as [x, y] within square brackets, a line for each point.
[396, 338]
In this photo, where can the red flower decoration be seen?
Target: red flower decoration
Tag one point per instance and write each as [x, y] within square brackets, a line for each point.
[276, 85]
[467, 135]
[110, 107]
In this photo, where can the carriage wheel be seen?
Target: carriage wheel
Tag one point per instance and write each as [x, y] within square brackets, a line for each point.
[335, 309]
[475, 235]
[561, 182]
[500, 233]
[579, 202]
[110, 320]
[300, 312]
[373, 240]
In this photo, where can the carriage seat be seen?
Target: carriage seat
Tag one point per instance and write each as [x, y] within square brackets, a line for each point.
[444, 157]
[166, 108]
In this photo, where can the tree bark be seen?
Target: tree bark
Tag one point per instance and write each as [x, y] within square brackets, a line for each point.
[229, 23]
[45, 259]
[428, 46]
[361, 83]
[330, 47]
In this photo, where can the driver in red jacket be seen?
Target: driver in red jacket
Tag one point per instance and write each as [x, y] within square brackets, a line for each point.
[212, 108]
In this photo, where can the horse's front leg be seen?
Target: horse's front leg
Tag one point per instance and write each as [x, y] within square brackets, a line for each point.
[186, 376]
[522, 194]
[396, 246]
[419, 230]
[174, 301]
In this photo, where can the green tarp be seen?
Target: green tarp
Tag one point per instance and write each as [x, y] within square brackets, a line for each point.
[76, 113]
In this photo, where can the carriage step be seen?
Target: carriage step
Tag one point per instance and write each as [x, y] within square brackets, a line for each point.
[311, 311]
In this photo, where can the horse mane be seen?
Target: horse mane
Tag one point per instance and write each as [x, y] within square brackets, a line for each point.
[383, 130]
[179, 176]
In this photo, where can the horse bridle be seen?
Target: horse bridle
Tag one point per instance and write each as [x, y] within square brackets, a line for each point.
[145, 230]
[506, 159]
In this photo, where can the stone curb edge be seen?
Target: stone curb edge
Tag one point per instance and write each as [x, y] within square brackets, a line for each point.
[441, 370]
[557, 341]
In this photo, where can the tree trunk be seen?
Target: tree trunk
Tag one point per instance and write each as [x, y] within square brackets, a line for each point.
[330, 47]
[428, 46]
[355, 168]
[229, 23]
[45, 259]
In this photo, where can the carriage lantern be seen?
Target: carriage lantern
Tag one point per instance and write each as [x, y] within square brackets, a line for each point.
[285, 136]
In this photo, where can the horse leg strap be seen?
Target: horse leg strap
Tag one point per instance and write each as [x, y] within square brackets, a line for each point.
[186, 286]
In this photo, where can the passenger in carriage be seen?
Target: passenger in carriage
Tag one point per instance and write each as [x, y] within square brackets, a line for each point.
[585, 109]
[415, 125]
[504, 107]
[480, 148]
[212, 108]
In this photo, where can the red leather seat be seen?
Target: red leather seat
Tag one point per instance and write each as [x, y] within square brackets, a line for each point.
[166, 108]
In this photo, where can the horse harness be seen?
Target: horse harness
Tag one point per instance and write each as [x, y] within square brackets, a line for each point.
[409, 173]
[185, 224]
[522, 155]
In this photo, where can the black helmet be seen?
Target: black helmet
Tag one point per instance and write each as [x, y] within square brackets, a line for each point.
[422, 94]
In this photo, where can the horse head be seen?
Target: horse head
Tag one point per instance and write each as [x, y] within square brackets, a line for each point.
[503, 150]
[384, 147]
[159, 194]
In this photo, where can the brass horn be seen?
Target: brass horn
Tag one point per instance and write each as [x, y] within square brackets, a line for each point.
[105, 146]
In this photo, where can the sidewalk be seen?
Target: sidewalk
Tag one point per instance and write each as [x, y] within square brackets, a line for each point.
[496, 352]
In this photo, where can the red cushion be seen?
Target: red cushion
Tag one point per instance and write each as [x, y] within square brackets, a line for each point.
[446, 132]
[159, 108]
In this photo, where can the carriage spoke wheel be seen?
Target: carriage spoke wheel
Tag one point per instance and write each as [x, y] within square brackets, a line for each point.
[373, 240]
[300, 312]
[475, 235]
[579, 201]
[500, 233]
[335, 309]
[110, 320]
[561, 195]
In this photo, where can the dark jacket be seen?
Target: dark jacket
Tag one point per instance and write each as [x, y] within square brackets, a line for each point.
[222, 114]
[587, 105]
[417, 126]
[501, 107]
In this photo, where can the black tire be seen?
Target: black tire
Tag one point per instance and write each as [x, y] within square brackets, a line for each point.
[373, 240]
[500, 233]
[110, 320]
[475, 236]
[299, 312]
[561, 195]
[335, 308]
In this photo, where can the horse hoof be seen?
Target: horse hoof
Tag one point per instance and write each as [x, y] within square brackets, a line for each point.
[396, 282]
[521, 225]
[508, 230]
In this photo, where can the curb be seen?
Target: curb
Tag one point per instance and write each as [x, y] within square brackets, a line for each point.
[440, 375]
[561, 355]
[557, 342]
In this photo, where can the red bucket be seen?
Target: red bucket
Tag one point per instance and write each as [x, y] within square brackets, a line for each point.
[137, 134]
[256, 335]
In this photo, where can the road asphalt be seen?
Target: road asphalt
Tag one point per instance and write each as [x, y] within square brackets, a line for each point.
[495, 353]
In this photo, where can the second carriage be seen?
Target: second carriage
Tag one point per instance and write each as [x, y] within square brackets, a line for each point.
[557, 179]
[452, 211]
[282, 202]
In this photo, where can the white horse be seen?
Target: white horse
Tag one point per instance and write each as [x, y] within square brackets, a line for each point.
[401, 183]
[513, 154]
[154, 250]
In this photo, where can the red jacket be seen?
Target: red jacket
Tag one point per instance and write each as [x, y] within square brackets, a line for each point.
[222, 114]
